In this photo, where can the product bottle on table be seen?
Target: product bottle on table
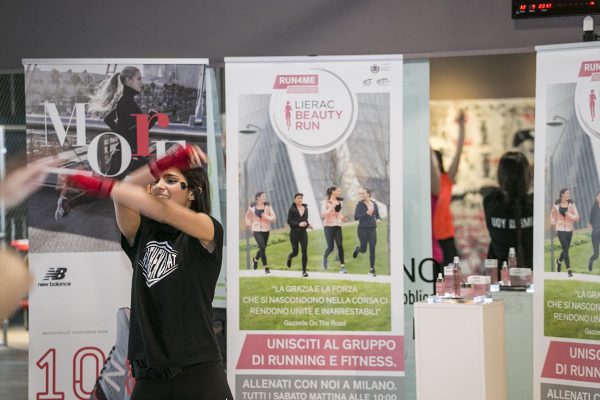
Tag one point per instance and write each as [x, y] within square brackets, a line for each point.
[439, 285]
[505, 275]
[512, 258]
[456, 276]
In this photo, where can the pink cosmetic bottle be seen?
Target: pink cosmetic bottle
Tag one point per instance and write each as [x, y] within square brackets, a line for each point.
[440, 290]
[456, 276]
[448, 281]
[491, 269]
[505, 275]
[512, 258]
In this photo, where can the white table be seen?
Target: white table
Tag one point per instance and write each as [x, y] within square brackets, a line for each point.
[460, 351]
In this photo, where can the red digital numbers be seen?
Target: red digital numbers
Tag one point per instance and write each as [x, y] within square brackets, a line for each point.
[533, 9]
[538, 6]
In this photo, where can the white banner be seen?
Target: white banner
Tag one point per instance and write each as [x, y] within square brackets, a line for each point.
[315, 135]
[567, 223]
[82, 277]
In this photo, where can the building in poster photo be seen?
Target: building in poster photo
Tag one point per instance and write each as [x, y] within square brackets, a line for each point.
[73, 112]
[310, 211]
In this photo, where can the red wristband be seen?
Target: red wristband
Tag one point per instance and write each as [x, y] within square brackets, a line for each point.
[180, 159]
[94, 186]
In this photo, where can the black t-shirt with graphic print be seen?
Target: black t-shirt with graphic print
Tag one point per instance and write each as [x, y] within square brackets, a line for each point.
[174, 280]
[500, 219]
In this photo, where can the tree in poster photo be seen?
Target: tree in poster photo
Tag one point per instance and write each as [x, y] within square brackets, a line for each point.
[595, 222]
[563, 216]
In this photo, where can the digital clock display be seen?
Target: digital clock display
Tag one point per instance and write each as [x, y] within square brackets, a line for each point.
[533, 9]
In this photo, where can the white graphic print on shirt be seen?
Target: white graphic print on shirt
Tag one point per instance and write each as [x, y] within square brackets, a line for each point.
[158, 262]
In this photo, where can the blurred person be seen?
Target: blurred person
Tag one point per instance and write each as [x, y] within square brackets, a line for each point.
[563, 217]
[509, 211]
[436, 249]
[524, 142]
[14, 275]
[259, 217]
[443, 226]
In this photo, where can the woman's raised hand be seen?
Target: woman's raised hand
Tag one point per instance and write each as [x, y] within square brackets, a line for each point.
[24, 181]
[198, 158]
[184, 158]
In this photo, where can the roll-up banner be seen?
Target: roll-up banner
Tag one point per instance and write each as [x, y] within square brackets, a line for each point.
[82, 277]
[315, 292]
[567, 223]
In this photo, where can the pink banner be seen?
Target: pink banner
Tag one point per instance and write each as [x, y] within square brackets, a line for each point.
[573, 361]
[283, 81]
[588, 68]
[323, 352]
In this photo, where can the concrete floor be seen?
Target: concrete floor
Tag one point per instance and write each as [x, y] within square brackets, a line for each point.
[13, 365]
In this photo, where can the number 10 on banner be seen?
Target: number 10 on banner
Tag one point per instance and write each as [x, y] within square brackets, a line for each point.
[47, 363]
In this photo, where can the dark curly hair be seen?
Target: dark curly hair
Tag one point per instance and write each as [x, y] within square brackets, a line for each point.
[198, 183]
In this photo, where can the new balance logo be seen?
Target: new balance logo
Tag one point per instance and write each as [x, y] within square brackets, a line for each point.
[53, 275]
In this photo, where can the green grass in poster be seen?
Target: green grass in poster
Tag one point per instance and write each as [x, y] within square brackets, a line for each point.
[279, 247]
[277, 303]
[579, 254]
[572, 309]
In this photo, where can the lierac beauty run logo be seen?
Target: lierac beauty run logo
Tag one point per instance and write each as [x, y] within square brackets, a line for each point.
[314, 111]
[587, 98]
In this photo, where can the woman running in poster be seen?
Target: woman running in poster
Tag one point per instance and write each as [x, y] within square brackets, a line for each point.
[259, 217]
[563, 216]
[367, 215]
[298, 222]
[332, 222]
